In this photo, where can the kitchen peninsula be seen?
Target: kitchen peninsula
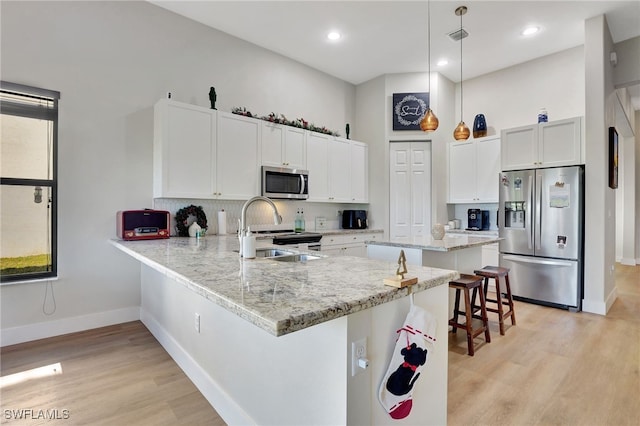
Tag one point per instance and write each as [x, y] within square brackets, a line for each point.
[270, 342]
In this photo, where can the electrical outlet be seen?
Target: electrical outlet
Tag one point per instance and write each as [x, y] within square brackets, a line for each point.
[359, 353]
[197, 322]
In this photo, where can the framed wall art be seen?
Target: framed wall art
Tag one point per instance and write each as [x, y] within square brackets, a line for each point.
[613, 158]
[408, 109]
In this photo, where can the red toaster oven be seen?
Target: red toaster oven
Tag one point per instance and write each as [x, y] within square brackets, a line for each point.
[143, 224]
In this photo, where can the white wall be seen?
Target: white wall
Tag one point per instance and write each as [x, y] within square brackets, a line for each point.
[111, 61]
[512, 97]
[599, 285]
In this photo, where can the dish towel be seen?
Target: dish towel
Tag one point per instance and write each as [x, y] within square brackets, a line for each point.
[415, 339]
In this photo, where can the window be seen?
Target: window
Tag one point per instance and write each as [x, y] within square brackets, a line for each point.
[28, 182]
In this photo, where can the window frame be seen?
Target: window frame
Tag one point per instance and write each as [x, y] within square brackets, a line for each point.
[36, 112]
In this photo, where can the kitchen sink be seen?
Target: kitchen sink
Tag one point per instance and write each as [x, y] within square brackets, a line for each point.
[297, 258]
[272, 252]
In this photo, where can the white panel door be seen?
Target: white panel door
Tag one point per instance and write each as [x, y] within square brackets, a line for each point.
[409, 190]
[420, 189]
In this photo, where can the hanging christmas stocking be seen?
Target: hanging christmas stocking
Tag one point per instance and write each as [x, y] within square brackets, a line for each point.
[415, 339]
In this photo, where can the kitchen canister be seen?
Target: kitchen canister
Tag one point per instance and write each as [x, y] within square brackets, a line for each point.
[437, 232]
[222, 222]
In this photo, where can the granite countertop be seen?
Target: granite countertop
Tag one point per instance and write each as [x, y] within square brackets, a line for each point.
[279, 297]
[450, 242]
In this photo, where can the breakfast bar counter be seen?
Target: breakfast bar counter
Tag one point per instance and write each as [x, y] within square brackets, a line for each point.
[279, 297]
[272, 342]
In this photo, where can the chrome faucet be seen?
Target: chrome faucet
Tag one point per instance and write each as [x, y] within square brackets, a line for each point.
[243, 215]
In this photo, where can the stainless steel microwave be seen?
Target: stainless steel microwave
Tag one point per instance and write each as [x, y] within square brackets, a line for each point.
[284, 183]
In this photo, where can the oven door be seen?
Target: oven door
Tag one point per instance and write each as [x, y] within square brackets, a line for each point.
[285, 183]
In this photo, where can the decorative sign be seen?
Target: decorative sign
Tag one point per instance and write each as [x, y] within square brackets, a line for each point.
[408, 110]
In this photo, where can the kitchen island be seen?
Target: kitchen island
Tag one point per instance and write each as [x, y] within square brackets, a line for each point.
[269, 342]
[462, 252]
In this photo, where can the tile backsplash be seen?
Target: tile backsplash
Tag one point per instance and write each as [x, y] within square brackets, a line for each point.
[259, 214]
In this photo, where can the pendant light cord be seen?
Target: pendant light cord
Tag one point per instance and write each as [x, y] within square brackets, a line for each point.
[429, 47]
[461, 37]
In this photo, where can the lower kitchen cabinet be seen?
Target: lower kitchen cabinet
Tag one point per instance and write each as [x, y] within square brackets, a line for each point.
[347, 244]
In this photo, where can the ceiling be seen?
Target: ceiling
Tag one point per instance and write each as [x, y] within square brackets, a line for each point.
[386, 37]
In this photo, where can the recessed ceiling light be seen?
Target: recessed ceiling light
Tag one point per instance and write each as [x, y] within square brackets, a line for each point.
[333, 35]
[442, 62]
[530, 31]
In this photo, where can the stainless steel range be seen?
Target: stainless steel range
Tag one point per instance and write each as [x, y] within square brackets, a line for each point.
[300, 240]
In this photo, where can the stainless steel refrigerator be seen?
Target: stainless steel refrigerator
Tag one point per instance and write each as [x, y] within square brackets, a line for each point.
[541, 218]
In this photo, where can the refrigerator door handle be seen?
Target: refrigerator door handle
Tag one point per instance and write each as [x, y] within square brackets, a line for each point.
[538, 228]
[529, 221]
[538, 261]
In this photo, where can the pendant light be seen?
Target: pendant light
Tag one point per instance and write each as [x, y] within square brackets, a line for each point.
[429, 122]
[461, 132]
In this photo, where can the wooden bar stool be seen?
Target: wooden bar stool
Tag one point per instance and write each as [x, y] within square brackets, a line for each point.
[465, 283]
[502, 300]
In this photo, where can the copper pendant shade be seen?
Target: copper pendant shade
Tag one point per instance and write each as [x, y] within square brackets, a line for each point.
[461, 132]
[429, 122]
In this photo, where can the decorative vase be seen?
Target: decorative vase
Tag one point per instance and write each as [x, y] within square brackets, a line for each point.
[194, 229]
[437, 232]
[479, 126]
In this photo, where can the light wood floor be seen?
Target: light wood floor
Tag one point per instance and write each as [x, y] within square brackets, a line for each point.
[554, 367]
[118, 375]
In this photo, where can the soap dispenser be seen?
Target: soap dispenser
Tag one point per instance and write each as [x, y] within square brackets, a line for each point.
[249, 245]
[302, 223]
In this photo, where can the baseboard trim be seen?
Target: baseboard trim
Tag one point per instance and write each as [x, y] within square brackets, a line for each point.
[43, 330]
[628, 261]
[226, 407]
[600, 308]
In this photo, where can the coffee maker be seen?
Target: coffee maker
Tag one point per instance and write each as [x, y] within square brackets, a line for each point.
[477, 220]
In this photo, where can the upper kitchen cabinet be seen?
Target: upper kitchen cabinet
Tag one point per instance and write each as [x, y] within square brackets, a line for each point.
[283, 146]
[474, 167]
[337, 169]
[184, 151]
[204, 153]
[552, 144]
[238, 165]
[359, 172]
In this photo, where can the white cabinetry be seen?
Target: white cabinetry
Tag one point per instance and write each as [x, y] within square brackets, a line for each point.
[337, 169]
[474, 167]
[283, 146]
[318, 166]
[238, 166]
[347, 244]
[552, 144]
[359, 172]
[184, 151]
[203, 153]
